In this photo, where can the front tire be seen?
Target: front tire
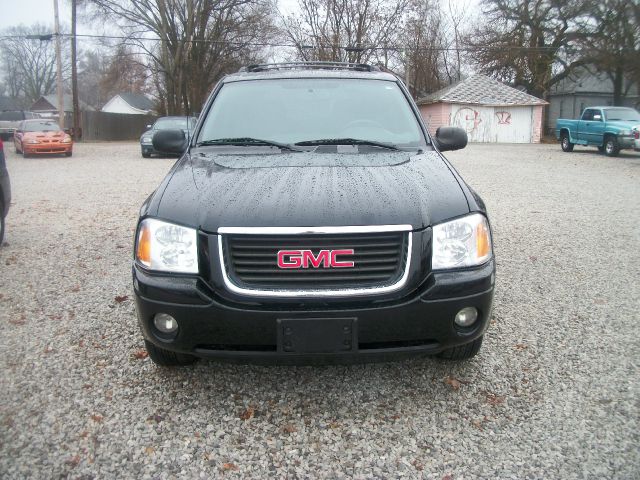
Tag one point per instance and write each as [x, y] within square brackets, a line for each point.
[167, 358]
[146, 155]
[565, 142]
[462, 352]
[611, 147]
[68, 154]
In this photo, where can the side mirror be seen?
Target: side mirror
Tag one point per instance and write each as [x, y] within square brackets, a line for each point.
[170, 141]
[450, 138]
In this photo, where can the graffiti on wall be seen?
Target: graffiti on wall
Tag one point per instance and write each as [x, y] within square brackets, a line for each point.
[467, 118]
[504, 118]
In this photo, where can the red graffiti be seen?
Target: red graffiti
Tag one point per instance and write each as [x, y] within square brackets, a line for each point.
[504, 118]
[467, 118]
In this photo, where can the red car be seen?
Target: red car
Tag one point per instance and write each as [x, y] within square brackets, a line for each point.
[41, 136]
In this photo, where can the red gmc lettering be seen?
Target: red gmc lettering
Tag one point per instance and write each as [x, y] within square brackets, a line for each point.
[306, 258]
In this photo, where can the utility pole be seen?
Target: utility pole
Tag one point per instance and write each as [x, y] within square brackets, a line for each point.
[58, 64]
[74, 75]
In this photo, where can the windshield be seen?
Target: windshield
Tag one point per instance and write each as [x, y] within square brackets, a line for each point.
[627, 114]
[42, 126]
[174, 123]
[289, 111]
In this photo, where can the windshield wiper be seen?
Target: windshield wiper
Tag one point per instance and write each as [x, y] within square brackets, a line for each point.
[347, 141]
[246, 141]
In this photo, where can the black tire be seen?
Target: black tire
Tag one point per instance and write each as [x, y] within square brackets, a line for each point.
[611, 146]
[146, 155]
[167, 358]
[565, 142]
[68, 154]
[462, 352]
[601, 148]
[25, 155]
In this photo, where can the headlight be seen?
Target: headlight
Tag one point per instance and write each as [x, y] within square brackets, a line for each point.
[66, 139]
[167, 247]
[32, 141]
[146, 139]
[464, 242]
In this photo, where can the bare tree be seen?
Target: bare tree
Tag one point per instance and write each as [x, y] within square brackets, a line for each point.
[530, 43]
[190, 43]
[369, 29]
[613, 45]
[30, 63]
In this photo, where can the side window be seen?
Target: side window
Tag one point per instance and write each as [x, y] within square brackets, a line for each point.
[587, 115]
[597, 115]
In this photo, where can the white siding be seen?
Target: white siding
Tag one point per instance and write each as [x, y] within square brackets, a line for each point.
[494, 124]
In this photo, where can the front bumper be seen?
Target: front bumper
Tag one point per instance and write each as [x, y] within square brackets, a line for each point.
[46, 148]
[147, 149]
[421, 322]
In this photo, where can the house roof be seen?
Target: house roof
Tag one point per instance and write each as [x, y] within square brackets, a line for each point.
[481, 90]
[67, 101]
[137, 100]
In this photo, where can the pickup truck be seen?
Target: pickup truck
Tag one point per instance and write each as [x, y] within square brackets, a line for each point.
[611, 129]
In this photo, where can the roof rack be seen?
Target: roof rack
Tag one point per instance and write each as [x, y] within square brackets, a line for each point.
[264, 67]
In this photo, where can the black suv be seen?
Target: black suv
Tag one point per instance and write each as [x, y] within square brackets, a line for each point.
[312, 218]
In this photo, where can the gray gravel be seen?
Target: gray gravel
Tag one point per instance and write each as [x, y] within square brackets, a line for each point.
[553, 393]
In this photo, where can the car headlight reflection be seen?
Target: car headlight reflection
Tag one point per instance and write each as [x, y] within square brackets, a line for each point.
[167, 247]
[464, 242]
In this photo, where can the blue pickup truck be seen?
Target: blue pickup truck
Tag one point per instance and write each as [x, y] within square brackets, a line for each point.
[611, 129]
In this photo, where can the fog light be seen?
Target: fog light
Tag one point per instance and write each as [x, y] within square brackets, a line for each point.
[466, 317]
[165, 323]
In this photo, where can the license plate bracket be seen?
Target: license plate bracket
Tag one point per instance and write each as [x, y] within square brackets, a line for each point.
[317, 335]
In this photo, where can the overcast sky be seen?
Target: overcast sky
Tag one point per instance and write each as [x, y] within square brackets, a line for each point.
[28, 12]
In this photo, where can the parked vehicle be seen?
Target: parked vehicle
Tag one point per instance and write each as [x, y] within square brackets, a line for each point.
[636, 137]
[312, 217]
[10, 119]
[5, 191]
[186, 124]
[38, 137]
[608, 128]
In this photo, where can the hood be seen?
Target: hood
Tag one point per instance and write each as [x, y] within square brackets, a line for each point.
[54, 134]
[309, 189]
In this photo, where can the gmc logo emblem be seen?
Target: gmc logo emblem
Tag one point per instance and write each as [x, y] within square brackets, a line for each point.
[306, 259]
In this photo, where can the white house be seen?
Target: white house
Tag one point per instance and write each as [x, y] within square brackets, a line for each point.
[488, 110]
[130, 103]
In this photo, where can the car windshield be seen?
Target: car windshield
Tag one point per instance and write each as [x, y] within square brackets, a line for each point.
[41, 126]
[626, 114]
[174, 123]
[313, 111]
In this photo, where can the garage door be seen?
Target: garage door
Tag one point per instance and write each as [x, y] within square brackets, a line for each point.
[494, 124]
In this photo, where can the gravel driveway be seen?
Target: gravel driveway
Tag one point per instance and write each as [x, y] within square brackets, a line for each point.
[553, 393]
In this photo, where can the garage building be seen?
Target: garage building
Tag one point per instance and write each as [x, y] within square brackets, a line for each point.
[487, 109]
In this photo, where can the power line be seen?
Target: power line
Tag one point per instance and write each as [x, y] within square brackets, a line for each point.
[392, 48]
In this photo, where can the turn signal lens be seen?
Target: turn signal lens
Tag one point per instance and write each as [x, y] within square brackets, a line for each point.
[483, 242]
[143, 253]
